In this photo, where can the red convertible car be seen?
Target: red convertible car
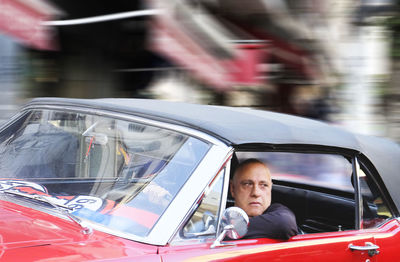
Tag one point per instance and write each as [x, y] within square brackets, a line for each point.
[147, 180]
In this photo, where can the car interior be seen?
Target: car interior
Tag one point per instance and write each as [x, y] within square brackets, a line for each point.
[321, 209]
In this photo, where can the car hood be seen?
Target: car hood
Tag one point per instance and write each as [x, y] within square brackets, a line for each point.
[45, 237]
[25, 227]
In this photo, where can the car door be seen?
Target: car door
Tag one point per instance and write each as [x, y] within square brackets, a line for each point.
[377, 216]
[343, 241]
[387, 238]
[324, 247]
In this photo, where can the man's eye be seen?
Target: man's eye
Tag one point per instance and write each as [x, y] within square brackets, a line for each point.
[246, 184]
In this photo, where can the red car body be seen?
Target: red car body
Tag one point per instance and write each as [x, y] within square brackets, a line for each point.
[30, 235]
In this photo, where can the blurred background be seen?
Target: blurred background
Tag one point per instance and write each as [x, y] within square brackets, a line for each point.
[333, 60]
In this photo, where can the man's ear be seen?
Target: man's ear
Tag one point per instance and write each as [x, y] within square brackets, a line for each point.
[231, 187]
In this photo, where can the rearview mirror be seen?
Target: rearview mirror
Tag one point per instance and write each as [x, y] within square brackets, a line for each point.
[96, 138]
[234, 223]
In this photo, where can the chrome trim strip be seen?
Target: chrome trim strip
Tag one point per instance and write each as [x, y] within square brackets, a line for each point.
[131, 117]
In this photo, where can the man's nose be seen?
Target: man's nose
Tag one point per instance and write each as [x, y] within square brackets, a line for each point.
[256, 191]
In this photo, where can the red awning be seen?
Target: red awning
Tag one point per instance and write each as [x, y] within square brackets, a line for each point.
[174, 44]
[22, 20]
[194, 39]
[252, 56]
[171, 41]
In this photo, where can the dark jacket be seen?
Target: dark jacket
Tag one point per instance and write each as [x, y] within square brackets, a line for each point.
[276, 222]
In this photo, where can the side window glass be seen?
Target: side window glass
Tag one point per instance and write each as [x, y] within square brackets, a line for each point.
[204, 220]
[316, 187]
[375, 210]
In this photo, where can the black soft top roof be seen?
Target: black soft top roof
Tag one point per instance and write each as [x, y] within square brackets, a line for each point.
[233, 125]
[236, 126]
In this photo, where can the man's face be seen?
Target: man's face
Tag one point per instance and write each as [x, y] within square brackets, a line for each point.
[251, 188]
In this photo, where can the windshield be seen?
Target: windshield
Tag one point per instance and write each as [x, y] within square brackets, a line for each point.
[118, 174]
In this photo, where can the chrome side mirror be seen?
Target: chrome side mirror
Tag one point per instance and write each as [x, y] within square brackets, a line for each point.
[234, 223]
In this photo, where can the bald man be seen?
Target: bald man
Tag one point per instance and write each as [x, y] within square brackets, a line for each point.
[251, 188]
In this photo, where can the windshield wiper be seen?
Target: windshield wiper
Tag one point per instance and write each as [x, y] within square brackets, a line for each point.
[64, 209]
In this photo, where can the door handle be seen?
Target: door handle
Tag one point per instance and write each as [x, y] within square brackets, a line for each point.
[371, 248]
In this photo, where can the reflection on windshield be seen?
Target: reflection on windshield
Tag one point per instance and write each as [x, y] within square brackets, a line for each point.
[119, 174]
